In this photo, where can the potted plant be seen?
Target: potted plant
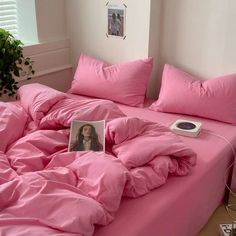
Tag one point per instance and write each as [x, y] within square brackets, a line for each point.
[13, 64]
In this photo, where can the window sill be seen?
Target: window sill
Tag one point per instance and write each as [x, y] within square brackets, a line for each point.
[48, 57]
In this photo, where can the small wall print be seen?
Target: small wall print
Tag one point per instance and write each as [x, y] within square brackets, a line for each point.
[116, 20]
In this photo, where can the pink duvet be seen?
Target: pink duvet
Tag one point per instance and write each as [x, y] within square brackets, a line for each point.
[45, 190]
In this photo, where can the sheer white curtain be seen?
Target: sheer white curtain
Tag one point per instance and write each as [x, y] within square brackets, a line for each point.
[8, 16]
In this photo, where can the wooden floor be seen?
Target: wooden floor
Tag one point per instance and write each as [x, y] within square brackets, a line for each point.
[220, 216]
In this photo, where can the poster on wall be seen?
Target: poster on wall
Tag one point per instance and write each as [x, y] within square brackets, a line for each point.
[116, 20]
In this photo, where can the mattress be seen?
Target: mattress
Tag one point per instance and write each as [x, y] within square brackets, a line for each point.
[183, 205]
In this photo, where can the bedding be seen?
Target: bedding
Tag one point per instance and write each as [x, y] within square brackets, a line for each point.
[46, 190]
[183, 205]
[127, 81]
[38, 99]
[184, 93]
[11, 114]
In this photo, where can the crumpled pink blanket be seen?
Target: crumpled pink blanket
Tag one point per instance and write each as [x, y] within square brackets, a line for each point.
[45, 190]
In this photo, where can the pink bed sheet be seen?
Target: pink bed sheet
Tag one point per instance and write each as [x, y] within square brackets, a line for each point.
[182, 206]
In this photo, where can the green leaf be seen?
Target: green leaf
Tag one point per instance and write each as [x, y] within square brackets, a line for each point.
[11, 60]
[16, 73]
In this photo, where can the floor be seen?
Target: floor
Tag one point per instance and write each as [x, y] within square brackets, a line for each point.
[220, 216]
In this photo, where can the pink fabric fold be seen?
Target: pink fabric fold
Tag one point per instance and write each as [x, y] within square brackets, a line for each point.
[12, 123]
[45, 190]
[150, 151]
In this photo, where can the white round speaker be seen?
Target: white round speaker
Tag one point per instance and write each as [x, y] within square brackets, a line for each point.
[186, 128]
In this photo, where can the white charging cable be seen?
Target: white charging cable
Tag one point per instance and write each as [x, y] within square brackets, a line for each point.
[229, 207]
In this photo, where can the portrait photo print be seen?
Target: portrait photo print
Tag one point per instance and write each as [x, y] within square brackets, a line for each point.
[116, 20]
[87, 136]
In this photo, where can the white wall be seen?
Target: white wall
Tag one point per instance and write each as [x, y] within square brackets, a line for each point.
[154, 46]
[199, 36]
[51, 20]
[51, 54]
[87, 27]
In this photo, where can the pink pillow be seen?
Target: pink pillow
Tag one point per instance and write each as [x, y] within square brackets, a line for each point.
[185, 94]
[37, 99]
[124, 83]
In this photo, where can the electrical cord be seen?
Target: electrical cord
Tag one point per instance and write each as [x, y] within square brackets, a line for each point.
[230, 207]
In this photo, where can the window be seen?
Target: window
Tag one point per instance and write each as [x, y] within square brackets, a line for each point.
[27, 22]
[40, 30]
[19, 18]
[8, 16]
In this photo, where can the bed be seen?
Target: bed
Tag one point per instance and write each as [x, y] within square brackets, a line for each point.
[183, 205]
[46, 190]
